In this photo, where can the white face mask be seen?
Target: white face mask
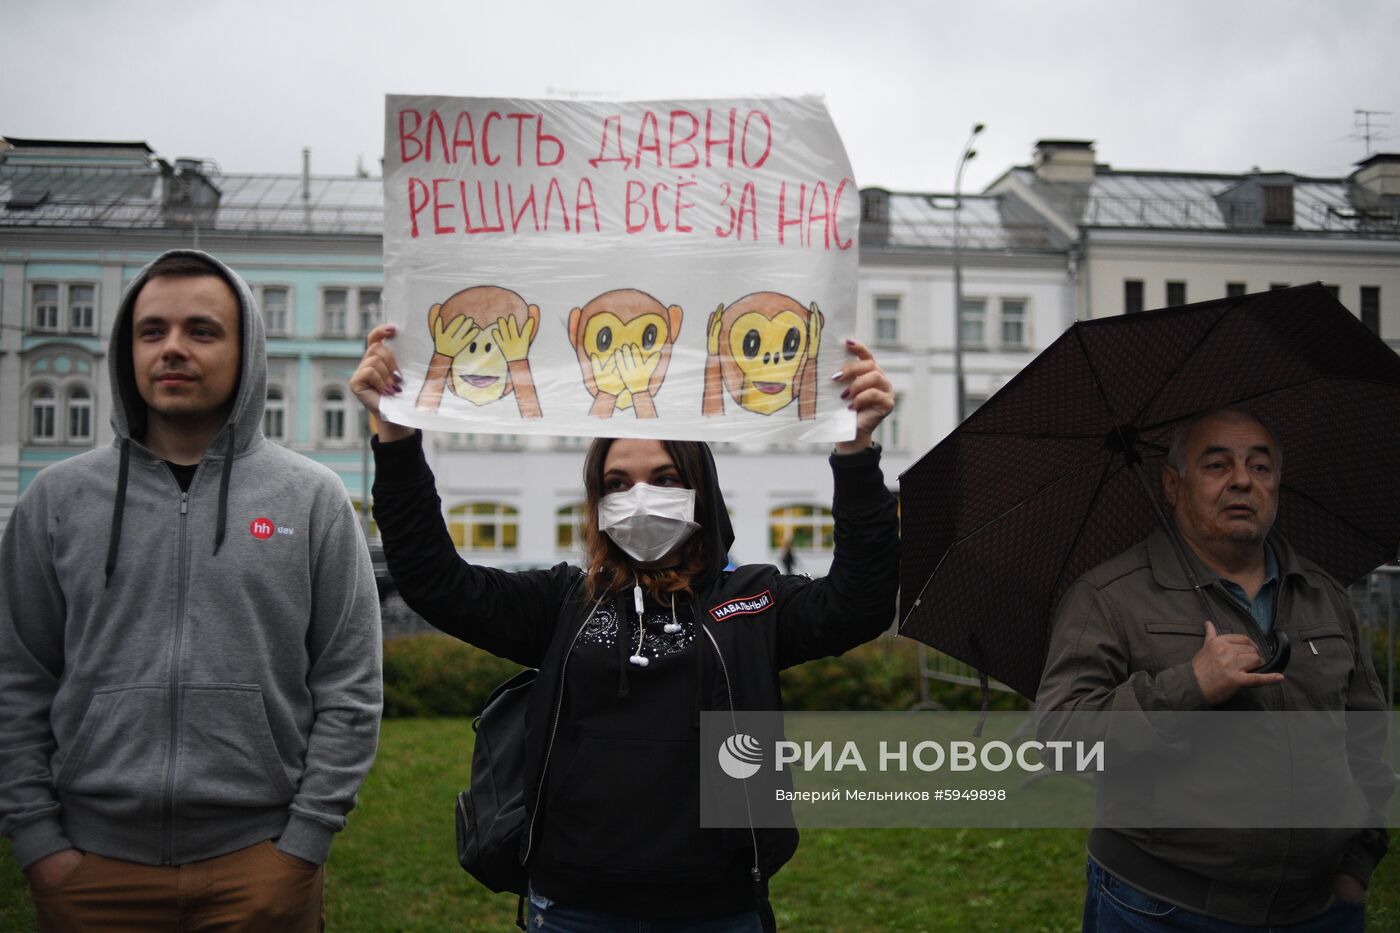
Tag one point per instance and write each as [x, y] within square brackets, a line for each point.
[648, 522]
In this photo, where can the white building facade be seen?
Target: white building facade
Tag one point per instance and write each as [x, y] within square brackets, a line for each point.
[1153, 239]
[1049, 243]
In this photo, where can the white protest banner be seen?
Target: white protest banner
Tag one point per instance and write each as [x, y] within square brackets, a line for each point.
[675, 269]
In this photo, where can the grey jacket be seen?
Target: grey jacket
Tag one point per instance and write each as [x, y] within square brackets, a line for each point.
[185, 674]
[1123, 640]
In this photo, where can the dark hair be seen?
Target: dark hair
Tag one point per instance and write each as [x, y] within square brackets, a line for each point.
[1176, 449]
[609, 567]
[182, 265]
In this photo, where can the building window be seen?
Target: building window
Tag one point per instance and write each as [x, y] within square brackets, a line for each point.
[1013, 323]
[44, 300]
[1132, 296]
[1176, 294]
[1278, 204]
[887, 319]
[1371, 307]
[484, 526]
[275, 415]
[276, 309]
[333, 415]
[1235, 289]
[335, 304]
[568, 528]
[1276, 286]
[369, 309]
[1335, 291]
[81, 309]
[973, 321]
[43, 407]
[805, 527]
[79, 414]
[887, 434]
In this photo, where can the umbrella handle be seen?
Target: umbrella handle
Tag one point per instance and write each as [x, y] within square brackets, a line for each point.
[1278, 660]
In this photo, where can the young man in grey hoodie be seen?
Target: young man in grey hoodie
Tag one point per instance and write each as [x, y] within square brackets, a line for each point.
[189, 641]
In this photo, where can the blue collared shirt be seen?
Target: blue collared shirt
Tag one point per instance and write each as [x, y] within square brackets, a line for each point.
[1262, 607]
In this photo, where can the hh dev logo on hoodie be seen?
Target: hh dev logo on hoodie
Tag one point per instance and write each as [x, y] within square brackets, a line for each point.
[264, 528]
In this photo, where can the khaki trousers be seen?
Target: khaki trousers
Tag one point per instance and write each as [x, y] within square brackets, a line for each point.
[254, 890]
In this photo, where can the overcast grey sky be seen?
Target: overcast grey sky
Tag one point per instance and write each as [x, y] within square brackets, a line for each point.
[1168, 84]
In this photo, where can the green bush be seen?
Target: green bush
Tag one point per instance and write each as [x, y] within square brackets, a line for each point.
[435, 675]
[879, 675]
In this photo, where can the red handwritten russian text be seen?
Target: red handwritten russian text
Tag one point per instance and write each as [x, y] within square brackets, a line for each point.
[726, 140]
[472, 144]
[495, 207]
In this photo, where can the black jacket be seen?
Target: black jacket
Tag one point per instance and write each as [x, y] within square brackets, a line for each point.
[532, 617]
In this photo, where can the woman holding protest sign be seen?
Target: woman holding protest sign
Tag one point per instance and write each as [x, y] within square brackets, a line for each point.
[633, 647]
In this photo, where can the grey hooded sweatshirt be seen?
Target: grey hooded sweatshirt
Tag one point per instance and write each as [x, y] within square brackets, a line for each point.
[183, 674]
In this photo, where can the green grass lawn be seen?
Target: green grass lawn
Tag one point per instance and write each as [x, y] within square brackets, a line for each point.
[395, 868]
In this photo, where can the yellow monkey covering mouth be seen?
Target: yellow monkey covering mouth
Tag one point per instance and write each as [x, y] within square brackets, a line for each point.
[763, 350]
[623, 341]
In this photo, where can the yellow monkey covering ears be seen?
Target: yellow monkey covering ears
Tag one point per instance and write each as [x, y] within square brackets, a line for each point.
[481, 343]
[623, 341]
[763, 350]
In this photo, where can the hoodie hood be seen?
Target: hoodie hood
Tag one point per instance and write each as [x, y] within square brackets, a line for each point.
[242, 432]
[245, 419]
[715, 526]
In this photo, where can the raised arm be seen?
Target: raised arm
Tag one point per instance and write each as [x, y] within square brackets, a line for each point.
[508, 614]
[855, 601]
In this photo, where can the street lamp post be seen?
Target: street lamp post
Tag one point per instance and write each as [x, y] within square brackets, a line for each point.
[925, 672]
[968, 154]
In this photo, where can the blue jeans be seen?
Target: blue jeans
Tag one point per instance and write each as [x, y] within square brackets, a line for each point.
[547, 916]
[1113, 906]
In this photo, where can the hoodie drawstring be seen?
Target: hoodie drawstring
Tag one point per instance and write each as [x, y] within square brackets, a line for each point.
[119, 506]
[118, 510]
[224, 476]
[620, 608]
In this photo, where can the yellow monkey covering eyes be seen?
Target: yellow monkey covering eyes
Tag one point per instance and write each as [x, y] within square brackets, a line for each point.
[481, 342]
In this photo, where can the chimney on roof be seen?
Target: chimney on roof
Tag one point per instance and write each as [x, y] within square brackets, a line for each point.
[874, 216]
[1067, 160]
[1259, 199]
[1379, 175]
[191, 197]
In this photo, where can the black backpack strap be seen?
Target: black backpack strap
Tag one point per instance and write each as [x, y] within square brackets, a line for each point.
[520, 911]
[766, 919]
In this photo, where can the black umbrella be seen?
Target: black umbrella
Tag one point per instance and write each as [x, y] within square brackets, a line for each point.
[1035, 488]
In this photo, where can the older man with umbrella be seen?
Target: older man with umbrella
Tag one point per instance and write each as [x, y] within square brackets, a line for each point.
[1127, 636]
[1008, 524]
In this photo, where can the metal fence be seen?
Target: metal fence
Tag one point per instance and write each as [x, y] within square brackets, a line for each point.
[1377, 603]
